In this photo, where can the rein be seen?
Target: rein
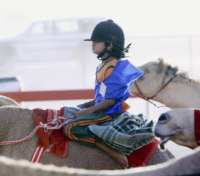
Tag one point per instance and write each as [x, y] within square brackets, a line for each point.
[153, 96]
[54, 125]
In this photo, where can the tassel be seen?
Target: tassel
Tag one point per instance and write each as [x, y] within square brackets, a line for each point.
[127, 48]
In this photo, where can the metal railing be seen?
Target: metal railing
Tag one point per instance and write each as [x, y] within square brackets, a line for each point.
[50, 95]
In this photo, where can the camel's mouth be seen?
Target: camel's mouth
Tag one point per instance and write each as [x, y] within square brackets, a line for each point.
[163, 141]
[165, 138]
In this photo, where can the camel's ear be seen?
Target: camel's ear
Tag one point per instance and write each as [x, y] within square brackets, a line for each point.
[172, 70]
[175, 70]
[160, 65]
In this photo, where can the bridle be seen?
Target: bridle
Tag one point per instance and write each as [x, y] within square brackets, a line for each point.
[141, 95]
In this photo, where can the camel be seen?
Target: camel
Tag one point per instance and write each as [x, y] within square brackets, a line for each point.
[181, 126]
[6, 101]
[162, 82]
[181, 166]
[17, 122]
[178, 126]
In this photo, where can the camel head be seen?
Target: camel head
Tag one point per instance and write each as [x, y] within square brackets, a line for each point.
[156, 73]
[178, 126]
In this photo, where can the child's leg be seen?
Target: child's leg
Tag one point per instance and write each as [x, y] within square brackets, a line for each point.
[77, 129]
[116, 155]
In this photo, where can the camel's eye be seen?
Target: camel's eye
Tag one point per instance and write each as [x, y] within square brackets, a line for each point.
[163, 118]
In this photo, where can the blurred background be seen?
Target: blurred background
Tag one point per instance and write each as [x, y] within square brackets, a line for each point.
[42, 47]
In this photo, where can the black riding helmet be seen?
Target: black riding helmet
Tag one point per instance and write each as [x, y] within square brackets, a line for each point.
[108, 31]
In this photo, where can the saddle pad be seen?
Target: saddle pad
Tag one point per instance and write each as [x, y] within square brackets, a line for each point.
[141, 156]
[52, 140]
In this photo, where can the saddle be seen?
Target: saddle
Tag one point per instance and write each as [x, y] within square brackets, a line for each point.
[52, 141]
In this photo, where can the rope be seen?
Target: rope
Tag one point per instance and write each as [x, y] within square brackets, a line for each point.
[41, 125]
[153, 96]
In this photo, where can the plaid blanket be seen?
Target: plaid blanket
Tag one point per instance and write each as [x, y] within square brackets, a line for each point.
[125, 133]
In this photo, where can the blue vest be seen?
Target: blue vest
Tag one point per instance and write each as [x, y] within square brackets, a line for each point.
[117, 85]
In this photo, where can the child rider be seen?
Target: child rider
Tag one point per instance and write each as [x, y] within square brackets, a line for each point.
[113, 80]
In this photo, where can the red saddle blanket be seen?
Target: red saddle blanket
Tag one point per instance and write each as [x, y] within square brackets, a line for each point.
[57, 143]
[197, 125]
[53, 141]
[141, 156]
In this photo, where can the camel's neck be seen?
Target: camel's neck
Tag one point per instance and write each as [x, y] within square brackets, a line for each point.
[180, 93]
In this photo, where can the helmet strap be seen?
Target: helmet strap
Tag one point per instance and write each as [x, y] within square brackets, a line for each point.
[105, 51]
[102, 54]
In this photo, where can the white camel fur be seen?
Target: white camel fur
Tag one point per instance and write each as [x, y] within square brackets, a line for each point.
[16, 123]
[178, 126]
[181, 166]
[6, 101]
[181, 92]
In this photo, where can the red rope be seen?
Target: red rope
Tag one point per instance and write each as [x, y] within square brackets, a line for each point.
[153, 96]
[45, 126]
[24, 139]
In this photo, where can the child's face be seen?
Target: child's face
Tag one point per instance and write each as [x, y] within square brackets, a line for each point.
[97, 47]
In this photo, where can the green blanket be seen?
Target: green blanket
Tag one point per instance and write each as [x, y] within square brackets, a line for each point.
[125, 133]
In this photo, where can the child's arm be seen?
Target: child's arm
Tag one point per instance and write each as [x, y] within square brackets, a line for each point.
[105, 104]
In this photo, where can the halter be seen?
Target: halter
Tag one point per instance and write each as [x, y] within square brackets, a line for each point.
[141, 95]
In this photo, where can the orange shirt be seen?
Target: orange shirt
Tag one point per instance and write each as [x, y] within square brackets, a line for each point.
[105, 70]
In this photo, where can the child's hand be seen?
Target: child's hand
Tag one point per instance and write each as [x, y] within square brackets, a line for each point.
[74, 116]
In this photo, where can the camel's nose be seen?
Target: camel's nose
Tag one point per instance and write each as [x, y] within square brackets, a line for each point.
[163, 118]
